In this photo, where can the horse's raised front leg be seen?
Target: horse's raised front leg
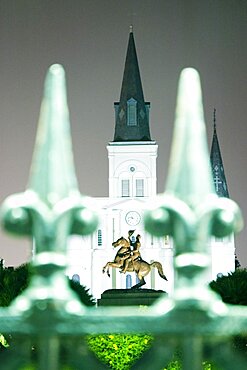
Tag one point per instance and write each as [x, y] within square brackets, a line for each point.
[107, 269]
[112, 265]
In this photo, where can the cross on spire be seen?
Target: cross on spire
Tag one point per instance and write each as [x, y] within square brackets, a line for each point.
[217, 182]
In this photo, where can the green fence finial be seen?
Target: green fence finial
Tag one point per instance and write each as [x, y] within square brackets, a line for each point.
[52, 208]
[189, 176]
[52, 173]
[189, 210]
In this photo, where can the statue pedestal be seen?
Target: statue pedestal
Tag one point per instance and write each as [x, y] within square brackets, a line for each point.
[130, 297]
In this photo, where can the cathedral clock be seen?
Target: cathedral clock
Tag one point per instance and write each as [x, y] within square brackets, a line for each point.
[132, 218]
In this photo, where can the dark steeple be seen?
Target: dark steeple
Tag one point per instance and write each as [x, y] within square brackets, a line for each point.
[131, 112]
[217, 165]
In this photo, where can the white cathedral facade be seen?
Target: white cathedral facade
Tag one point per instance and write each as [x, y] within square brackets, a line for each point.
[132, 184]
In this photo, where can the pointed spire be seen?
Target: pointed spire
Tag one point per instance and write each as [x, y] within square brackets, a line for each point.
[215, 120]
[132, 112]
[217, 165]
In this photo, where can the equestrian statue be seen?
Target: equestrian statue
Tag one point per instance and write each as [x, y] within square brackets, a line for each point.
[128, 258]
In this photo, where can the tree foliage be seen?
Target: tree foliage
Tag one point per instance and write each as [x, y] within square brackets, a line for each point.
[14, 280]
[82, 293]
[233, 287]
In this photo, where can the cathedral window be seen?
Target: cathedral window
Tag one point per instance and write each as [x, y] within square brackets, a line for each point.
[139, 187]
[128, 281]
[131, 112]
[99, 237]
[76, 278]
[125, 188]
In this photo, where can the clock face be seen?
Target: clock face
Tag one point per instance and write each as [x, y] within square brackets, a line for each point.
[132, 218]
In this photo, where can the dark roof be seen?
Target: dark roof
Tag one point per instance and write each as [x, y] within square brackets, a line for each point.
[131, 89]
[217, 166]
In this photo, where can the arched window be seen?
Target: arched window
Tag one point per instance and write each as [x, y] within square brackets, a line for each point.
[128, 281]
[131, 112]
[76, 278]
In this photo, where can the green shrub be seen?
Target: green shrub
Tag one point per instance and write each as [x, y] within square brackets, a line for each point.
[119, 351]
[232, 287]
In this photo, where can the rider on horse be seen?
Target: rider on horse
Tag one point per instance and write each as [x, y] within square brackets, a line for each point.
[128, 258]
[133, 254]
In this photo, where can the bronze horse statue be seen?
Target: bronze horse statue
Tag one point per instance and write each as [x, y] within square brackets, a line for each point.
[130, 260]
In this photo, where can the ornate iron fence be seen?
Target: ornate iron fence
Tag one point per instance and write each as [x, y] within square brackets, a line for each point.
[48, 315]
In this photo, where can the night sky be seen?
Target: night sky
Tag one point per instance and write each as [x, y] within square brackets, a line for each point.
[89, 38]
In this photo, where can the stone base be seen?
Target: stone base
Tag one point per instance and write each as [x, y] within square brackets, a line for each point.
[129, 297]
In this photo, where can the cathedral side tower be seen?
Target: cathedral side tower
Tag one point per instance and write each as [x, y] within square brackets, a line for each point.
[132, 153]
[217, 165]
[223, 249]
